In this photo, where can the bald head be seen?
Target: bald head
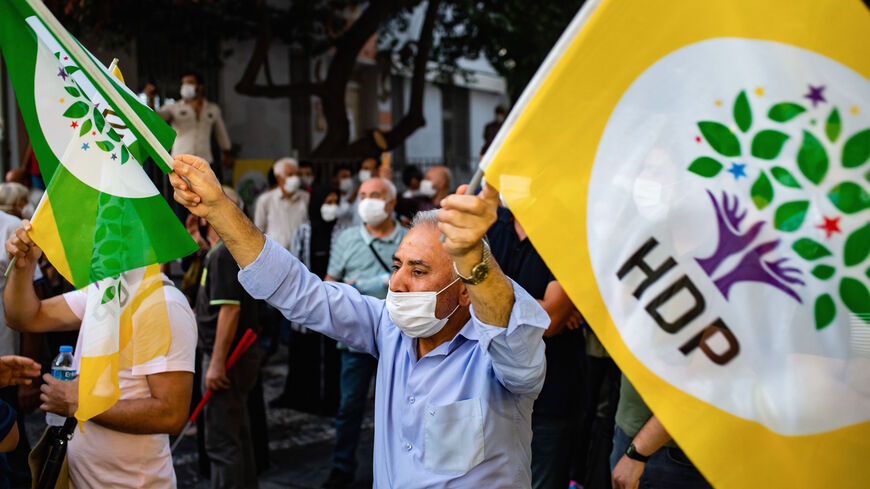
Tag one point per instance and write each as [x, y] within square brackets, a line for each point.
[440, 177]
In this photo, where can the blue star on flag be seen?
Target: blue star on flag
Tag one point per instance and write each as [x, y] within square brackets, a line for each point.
[738, 170]
[85, 147]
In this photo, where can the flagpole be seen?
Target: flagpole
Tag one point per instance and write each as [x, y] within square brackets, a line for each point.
[95, 73]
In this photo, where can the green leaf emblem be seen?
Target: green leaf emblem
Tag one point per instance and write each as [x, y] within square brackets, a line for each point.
[856, 151]
[742, 112]
[720, 138]
[784, 177]
[705, 167]
[761, 191]
[809, 249]
[849, 197]
[789, 216]
[812, 159]
[785, 111]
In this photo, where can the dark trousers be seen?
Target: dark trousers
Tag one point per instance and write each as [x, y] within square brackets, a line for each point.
[592, 458]
[228, 438]
[14, 468]
[667, 468]
[356, 374]
[552, 451]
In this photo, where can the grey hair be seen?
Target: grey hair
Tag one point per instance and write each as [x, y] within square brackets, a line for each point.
[10, 194]
[391, 189]
[427, 218]
[280, 165]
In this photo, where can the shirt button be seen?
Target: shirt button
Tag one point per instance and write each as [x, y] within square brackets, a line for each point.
[408, 447]
[431, 412]
[411, 399]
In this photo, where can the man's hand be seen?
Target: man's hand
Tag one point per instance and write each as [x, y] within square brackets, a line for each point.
[575, 320]
[59, 396]
[20, 245]
[626, 474]
[16, 370]
[216, 376]
[465, 219]
[203, 194]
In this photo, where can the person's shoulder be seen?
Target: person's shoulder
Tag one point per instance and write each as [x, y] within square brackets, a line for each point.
[348, 235]
[8, 224]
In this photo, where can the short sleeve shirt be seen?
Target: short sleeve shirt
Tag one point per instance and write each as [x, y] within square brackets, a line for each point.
[101, 457]
[220, 286]
[352, 258]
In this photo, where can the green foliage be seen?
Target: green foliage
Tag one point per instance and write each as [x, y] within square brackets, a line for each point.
[789, 216]
[720, 138]
[761, 191]
[768, 143]
[825, 310]
[849, 197]
[809, 249]
[785, 112]
[856, 151]
[742, 112]
[784, 177]
[857, 246]
[76, 110]
[833, 126]
[812, 159]
[705, 167]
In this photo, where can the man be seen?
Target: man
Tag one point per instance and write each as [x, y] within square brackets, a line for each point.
[306, 175]
[194, 119]
[459, 345]
[342, 179]
[557, 411]
[128, 445]
[223, 311]
[360, 257]
[412, 200]
[492, 127]
[436, 184]
[280, 211]
[644, 455]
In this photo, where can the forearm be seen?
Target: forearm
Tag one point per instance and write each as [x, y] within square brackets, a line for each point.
[19, 298]
[146, 416]
[238, 233]
[651, 437]
[227, 323]
[493, 299]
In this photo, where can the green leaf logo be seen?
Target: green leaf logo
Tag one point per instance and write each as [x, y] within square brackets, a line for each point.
[762, 191]
[849, 197]
[785, 112]
[76, 110]
[812, 159]
[784, 177]
[857, 149]
[790, 216]
[833, 126]
[768, 143]
[720, 138]
[742, 112]
[809, 249]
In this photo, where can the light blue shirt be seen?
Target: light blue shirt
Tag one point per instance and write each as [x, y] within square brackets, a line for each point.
[458, 417]
[351, 258]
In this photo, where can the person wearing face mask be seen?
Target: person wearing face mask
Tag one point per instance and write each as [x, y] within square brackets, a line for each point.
[34, 195]
[436, 184]
[306, 175]
[280, 211]
[361, 257]
[342, 179]
[313, 360]
[195, 119]
[460, 362]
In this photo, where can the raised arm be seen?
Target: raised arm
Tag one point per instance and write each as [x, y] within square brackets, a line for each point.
[271, 273]
[24, 311]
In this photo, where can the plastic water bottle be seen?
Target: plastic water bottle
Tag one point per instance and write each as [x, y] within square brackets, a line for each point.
[61, 369]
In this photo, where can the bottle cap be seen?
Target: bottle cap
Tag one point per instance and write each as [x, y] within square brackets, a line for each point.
[66, 349]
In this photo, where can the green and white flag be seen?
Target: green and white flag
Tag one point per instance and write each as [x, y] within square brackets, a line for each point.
[101, 214]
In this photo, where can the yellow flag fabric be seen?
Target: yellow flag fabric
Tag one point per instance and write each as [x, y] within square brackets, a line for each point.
[696, 176]
[126, 323]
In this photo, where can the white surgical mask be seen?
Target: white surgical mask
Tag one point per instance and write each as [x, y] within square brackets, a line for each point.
[372, 211]
[188, 91]
[329, 212]
[414, 312]
[307, 180]
[426, 188]
[291, 184]
[364, 175]
[345, 185]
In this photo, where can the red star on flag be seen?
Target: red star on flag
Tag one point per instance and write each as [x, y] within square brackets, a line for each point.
[830, 226]
[74, 124]
[94, 133]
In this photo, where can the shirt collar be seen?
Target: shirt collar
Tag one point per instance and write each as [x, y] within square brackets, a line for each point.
[467, 333]
[368, 238]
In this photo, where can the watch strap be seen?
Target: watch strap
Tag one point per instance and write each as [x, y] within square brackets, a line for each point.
[632, 453]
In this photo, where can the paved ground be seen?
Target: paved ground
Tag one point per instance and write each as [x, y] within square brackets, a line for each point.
[300, 444]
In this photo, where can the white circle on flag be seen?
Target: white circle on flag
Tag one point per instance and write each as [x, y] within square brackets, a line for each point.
[789, 375]
[89, 163]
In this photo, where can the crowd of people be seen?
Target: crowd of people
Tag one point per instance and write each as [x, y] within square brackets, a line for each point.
[484, 371]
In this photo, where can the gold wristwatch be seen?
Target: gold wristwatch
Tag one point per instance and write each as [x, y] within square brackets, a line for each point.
[480, 271]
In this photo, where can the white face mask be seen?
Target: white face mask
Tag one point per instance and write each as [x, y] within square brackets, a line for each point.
[307, 181]
[291, 184]
[188, 91]
[414, 312]
[329, 212]
[372, 211]
[427, 189]
[345, 185]
[364, 175]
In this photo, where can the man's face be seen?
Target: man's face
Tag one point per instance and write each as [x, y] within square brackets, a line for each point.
[375, 188]
[306, 172]
[189, 80]
[437, 177]
[421, 265]
[341, 175]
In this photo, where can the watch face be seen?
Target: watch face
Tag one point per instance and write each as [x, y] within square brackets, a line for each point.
[479, 272]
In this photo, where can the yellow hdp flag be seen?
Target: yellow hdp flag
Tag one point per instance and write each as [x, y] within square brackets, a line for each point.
[126, 324]
[697, 176]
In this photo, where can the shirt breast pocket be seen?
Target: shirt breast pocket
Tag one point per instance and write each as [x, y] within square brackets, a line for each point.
[453, 438]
